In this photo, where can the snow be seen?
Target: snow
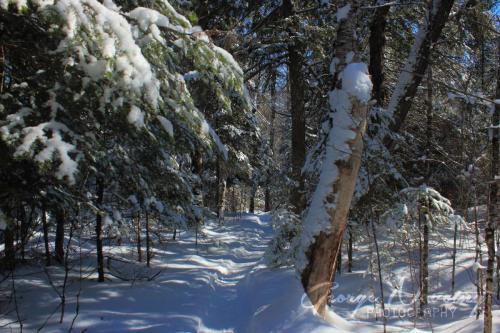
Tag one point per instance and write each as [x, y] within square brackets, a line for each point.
[228, 58]
[216, 139]
[223, 285]
[192, 75]
[477, 266]
[20, 4]
[356, 81]
[167, 125]
[68, 167]
[333, 65]
[341, 129]
[118, 42]
[205, 288]
[406, 77]
[136, 117]
[123, 55]
[349, 56]
[55, 145]
[343, 13]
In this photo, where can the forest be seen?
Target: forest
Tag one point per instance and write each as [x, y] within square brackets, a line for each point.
[228, 166]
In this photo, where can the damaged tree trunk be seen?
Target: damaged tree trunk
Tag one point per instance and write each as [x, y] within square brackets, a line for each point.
[326, 217]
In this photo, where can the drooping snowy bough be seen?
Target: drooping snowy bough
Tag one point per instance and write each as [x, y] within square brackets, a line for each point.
[102, 81]
[339, 161]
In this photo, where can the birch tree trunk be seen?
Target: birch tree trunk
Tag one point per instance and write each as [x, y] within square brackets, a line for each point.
[417, 62]
[326, 217]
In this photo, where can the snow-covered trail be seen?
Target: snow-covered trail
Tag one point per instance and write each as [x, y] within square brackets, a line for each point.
[202, 288]
[220, 285]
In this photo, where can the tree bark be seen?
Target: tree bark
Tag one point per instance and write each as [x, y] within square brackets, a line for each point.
[221, 190]
[45, 227]
[492, 207]
[59, 241]
[297, 111]
[377, 44]
[98, 230]
[23, 229]
[424, 265]
[267, 193]
[10, 250]
[454, 258]
[349, 252]
[322, 247]
[253, 193]
[138, 234]
[148, 241]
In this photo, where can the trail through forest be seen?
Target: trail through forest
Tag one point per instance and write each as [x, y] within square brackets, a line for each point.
[222, 284]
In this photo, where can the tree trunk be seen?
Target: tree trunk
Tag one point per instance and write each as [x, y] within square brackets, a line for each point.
[267, 193]
[197, 166]
[10, 250]
[379, 267]
[424, 265]
[339, 260]
[98, 230]
[377, 44]
[45, 227]
[478, 258]
[454, 258]
[297, 111]
[416, 64]
[59, 241]
[349, 252]
[148, 241]
[138, 234]
[267, 199]
[234, 203]
[492, 208]
[253, 193]
[23, 230]
[326, 217]
[221, 191]
[498, 264]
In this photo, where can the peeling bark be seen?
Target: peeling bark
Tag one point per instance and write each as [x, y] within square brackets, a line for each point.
[321, 255]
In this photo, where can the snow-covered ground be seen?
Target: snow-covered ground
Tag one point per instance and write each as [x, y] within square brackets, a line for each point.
[223, 285]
